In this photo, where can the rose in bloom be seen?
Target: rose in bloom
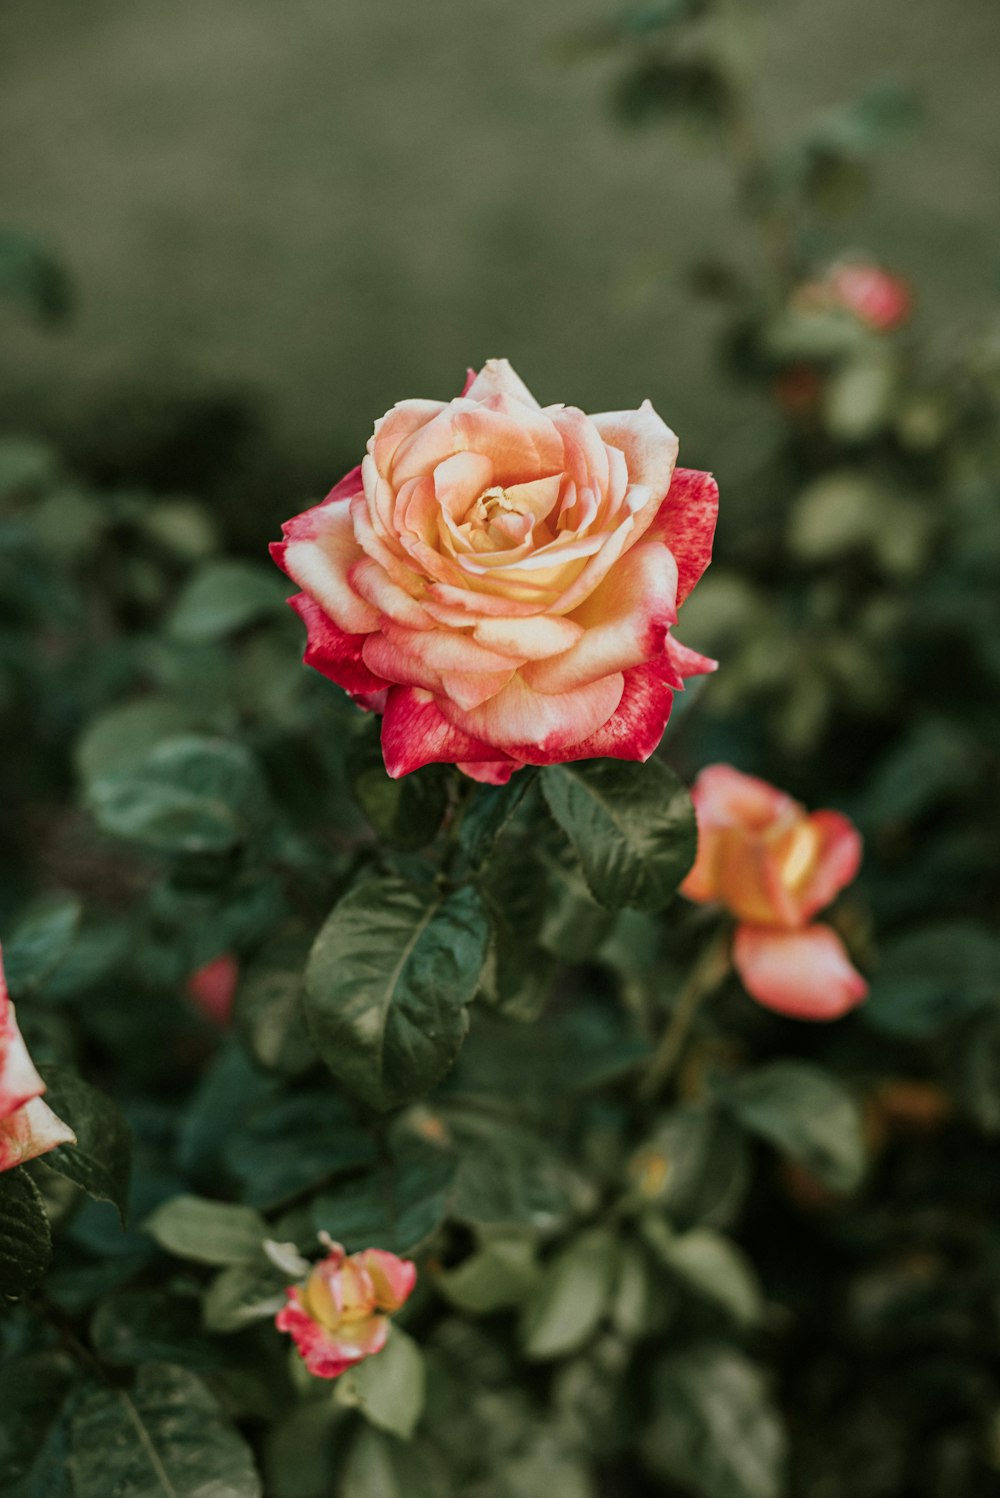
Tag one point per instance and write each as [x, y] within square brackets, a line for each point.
[212, 988]
[774, 866]
[28, 1127]
[875, 297]
[341, 1314]
[500, 580]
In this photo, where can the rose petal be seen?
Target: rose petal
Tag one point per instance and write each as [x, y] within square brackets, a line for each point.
[538, 727]
[498, 378]
[332, 651]
[686, 522]
[30, 1131]
[19, 1081]
[490, 771]
[650, 449]
[416, 733]
[393, 1278]
[327, 1354]
[636, 727]
[837, 860]
[625, 621]
[805, 974]
[318, 551]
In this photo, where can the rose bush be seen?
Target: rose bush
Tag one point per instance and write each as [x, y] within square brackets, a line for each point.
[28, 1126]
[500, 580]
[341, 1314]
[774, 866]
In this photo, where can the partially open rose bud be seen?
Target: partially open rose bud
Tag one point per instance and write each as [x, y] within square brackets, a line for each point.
[774, 866]
[341, 1314]
[28, 1127]
[500, 580]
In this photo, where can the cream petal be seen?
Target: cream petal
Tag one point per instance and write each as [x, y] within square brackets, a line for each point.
[498, 378]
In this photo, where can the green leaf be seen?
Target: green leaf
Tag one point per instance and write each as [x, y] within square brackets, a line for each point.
[269, 1012]
[405, 813]
[134, 1327]
[243, 1294]
[101, 1159]
[297, 1143]
[378, 1466]
[397, 1206]
[208, 1232]
[168, 1438]
[715, 1429]
[489, 812]
[25, 1236]
[33, 1393]
[509, 1176]
[125, 735]
[697, 1167]
[500, 1273]
[189, 795]
[807, 1114]
[632, 826]
[934, 977]
[33, 277]
[709, 1264]
[222, 597]
[388, 1388]
[571, 1298]
[388, 984]
[38, 943]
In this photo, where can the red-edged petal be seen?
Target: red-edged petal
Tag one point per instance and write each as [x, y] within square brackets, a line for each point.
[30, 1131]
[334, 652]
[686, 522]
[393, 1278]
[318, 549]
[804, 974]
[838, 860]
[415, 733]
[490, 771]
[19, 1081]
[636, 726]
[326, 1353]
[540, 728]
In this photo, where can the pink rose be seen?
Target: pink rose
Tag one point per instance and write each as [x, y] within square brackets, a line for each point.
[341, 1314]
[774, 866]
[875, 297]
[212, 988]
[500, 580]
[28, 1127]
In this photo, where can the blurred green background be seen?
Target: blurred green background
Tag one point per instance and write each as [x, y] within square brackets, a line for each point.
[324, 207]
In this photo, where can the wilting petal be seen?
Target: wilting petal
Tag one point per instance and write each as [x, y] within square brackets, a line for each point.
[416, 733]
[30, 1131]
[686, 522]
[806, 974]
[332, 651]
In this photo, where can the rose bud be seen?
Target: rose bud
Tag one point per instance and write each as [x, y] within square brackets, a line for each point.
[341, 1314]
[875, 297]
[773, 865]
[212, 988]
[500, 580]
[28, 1127]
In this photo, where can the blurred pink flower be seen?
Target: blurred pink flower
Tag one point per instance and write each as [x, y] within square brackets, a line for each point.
[500, 580]
[874, 296]
[28, 1127]
[341, 1314]
[212, 988]
[774, 866]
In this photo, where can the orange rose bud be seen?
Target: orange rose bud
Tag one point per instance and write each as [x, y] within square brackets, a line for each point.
[341, 1314]
[28, 1127]
[774, 866]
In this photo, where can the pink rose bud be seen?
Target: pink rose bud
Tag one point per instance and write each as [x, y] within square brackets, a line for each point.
[341, 1314]
[500, 580]
[774, 866]
[212, 988]
[28, 1127]
[876, 298]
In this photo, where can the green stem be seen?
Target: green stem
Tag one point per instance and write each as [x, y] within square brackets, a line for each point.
[707, 974]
